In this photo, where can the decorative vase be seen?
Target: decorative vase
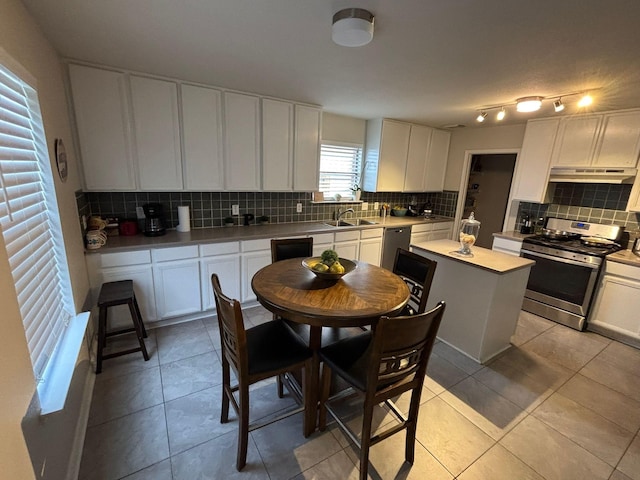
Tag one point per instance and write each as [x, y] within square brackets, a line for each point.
[357, 195]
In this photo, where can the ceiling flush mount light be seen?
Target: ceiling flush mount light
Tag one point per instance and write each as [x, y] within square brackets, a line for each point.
[528, 104]
[481, 116]
[352, 27]
[558, 106]
[501, 114]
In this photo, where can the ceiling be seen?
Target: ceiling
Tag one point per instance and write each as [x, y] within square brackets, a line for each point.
[435, 62]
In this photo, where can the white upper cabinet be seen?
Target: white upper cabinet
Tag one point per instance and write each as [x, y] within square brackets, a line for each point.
[157, 133]
[277, 145]
[404, 157]
[531, 175]
[102, 119]
[202, 138]
[576, 141]
[306, 164]
[242, 142]
[619, 143]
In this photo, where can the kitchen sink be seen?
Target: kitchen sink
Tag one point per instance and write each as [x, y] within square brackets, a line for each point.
[355, 222]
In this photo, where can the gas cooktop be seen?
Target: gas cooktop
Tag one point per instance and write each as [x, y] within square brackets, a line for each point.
[574, 245]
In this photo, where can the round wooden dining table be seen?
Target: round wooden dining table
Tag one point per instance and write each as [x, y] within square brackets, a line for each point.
[360, 298]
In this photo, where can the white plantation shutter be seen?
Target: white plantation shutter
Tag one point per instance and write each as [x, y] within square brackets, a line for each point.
[340, 167]
[29, 221]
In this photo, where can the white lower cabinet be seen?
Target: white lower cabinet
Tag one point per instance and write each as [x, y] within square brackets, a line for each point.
[222, 259]
[618, 301]
[322, 242]
[255, 255]
[371, 246]
[510, 246]
[176, 276]
[142, 277]
[347, 244]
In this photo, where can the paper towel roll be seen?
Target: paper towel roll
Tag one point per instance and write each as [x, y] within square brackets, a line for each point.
[184, 222]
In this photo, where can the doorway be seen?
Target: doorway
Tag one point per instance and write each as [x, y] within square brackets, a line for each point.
[487, 193]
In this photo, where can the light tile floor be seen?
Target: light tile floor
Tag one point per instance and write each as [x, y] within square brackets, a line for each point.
[560, 404]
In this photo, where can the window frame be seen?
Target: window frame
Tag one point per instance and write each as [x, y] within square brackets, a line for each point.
[357, 175]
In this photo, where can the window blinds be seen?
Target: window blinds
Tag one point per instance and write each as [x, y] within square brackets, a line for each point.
[29, 221]
[340, 167]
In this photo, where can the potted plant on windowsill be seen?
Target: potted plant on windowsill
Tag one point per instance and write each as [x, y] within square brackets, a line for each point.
[228, 222]
[357, 191]
[263, 220]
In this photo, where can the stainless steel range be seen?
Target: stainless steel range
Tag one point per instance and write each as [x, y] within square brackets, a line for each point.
[568, 256]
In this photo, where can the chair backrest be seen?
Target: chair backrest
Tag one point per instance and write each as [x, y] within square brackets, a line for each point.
[417, 271]
[401, 347]
[286, 248]
[233, 336]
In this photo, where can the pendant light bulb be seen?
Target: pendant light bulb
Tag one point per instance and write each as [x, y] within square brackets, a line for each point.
[501, 114]
[585, 101]
[481, 117]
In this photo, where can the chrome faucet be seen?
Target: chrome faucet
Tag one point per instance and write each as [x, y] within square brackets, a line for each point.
[339, 214]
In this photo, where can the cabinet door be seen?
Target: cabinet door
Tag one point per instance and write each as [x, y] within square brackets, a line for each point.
[277, 145]
[437, 161]
[394, 148]
[142, 278]
[177, 286]
[419, 141]
[576, 141]
[251, 263]
[242, 142]
[157, 133]
[202, 137]
[102, 120]
[371, 251]
[534, 161]
[348, 250]
[227, 267]
[634, 198]
[619, 143]
[617, 305]
[306, 165]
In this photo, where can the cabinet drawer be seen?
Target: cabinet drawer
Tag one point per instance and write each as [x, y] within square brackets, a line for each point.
[371, 233]
[505, 244]
[211, 249]
[622, 270]
[346, 236]
[255, 245]
[122, 259]
[322, 238]
[174, 253]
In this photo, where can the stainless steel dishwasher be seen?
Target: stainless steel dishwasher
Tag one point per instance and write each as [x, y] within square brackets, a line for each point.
[394, 238]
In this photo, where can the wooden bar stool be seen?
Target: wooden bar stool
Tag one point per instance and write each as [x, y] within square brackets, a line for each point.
[112, 294]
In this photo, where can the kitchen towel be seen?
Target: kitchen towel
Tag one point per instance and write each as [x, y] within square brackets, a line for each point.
[184, 221]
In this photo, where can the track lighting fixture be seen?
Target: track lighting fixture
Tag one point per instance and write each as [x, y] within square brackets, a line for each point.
[585, 101]
[558, 106]
[501, 114]
[481, 116]
[528, 104]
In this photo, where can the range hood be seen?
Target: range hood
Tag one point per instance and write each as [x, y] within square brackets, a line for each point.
[593, 175]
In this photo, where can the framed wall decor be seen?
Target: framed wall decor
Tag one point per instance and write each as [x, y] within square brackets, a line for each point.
[61, 159]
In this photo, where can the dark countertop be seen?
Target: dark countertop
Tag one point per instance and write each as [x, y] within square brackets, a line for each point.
[174, 238]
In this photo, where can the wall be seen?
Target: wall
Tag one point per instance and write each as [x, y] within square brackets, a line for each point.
[482, 138]
[339, 128]
[21, 39]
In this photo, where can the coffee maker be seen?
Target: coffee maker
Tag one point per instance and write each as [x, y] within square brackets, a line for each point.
[154, 220]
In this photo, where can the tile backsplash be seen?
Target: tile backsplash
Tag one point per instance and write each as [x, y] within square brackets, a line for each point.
[208, 209]
[599, 203]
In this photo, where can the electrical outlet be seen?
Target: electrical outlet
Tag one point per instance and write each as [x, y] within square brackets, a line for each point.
[298, 208]
[235, 209]
[376, 206]
[365, 205]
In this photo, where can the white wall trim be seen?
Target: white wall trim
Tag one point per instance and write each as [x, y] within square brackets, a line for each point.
[73, 469]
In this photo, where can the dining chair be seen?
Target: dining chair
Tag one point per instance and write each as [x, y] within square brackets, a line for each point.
[380, 365]
[286, 248]
[417, 271]
[265, 351]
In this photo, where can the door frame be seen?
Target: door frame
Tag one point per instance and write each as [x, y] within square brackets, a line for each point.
[512, 206]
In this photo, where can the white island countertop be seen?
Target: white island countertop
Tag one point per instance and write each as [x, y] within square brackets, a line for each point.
[484, 258]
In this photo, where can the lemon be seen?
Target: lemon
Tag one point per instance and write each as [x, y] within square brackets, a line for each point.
[336, 268]
[320, 267]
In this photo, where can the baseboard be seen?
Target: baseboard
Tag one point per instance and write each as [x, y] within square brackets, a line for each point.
[73, 469]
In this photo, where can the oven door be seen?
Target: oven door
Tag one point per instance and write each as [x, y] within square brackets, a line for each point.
[562, 283]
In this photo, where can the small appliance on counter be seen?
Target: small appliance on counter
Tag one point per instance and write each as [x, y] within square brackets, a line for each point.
[154, 220]
[526, 226]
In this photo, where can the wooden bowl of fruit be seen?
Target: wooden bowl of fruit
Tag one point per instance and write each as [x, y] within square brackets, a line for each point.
[329, 266]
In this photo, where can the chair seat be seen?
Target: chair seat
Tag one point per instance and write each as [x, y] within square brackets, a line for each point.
[272, 346]
[351, 357]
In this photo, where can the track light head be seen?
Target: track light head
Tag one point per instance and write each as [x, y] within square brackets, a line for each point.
[501, 114]
[558, 106]
[481, 117]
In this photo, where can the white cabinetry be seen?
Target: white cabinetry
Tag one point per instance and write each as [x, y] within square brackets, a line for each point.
[104, 131]
[510, 246]
[255, 255]
[347, 244]
[157, 133]
[576, 141]
[306, 165]
[277, 145]
[431, 231]
[403, 157]
[242, 142]
[322, 242]
[371, 245]
[176, 276]
[532, 168]
[202, 137]
[618, 302]
[224, 260]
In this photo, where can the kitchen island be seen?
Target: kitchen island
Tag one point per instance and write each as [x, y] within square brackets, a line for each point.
[483, 293]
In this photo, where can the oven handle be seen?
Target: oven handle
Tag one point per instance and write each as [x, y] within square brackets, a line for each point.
[559, 259]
